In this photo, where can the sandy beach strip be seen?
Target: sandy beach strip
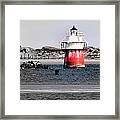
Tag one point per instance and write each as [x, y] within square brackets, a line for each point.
[59, 61]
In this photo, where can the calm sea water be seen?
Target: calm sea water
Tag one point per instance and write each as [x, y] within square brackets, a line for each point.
[90, 75]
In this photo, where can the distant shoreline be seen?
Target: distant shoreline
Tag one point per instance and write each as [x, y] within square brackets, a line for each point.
[59, 61]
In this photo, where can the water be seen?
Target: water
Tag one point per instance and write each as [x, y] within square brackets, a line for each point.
[66, 80]
[90, 75]
[60, 96]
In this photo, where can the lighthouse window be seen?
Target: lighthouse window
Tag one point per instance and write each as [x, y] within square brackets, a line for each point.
[61, 45]
[73, 31]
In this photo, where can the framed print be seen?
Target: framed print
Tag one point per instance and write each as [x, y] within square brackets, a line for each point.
[59, 59]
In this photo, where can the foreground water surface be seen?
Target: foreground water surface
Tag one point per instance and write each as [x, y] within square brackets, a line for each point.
[88, 76]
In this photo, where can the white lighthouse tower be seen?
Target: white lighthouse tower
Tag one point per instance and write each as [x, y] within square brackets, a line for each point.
[74, 46]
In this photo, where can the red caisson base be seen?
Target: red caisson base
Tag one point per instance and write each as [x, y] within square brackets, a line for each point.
[74, 58]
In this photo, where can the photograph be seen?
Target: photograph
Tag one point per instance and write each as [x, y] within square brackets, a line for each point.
[59, 60]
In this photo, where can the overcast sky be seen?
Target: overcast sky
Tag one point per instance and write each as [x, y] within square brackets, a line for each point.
[40, 33]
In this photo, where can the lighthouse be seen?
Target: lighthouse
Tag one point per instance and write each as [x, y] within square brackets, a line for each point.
[74, 47]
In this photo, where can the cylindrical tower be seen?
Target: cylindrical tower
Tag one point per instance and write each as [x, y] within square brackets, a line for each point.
[74, 47]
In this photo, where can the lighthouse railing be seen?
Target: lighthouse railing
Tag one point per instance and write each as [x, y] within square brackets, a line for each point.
[65, 44]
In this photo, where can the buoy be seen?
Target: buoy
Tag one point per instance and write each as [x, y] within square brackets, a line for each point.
[56, 72]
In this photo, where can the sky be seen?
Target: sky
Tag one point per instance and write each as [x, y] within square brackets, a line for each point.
[40, 33]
